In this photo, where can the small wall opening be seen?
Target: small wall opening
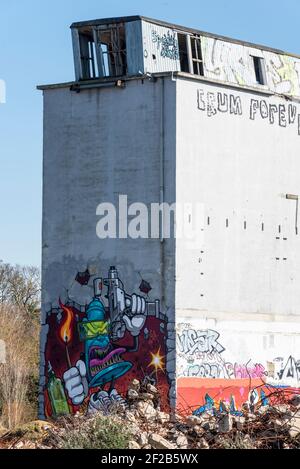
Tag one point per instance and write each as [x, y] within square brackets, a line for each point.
[183, 53]
[103, 51]
[197, 55]
[259, 69]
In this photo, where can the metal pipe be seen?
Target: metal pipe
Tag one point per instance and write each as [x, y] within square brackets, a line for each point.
[294, 197]
[296, 221]
[114, 84]
[161, 185]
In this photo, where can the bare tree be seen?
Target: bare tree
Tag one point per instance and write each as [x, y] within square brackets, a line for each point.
[20, 369]
[20, 286]
[4, 273]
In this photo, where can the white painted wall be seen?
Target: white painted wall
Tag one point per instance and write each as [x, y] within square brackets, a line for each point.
[238, 281]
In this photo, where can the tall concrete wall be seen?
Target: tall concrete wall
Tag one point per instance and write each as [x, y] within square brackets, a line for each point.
[231, 153]
[98, 144]
[237, 289]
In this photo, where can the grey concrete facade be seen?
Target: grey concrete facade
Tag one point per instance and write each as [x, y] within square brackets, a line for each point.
[99, 144]
[220, 140]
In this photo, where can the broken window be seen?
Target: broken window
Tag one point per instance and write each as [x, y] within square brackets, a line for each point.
[197, 55]
[259, 68]
[103, 52]
[183, 52]
[190, 52]
[87, 55]
[111, 50]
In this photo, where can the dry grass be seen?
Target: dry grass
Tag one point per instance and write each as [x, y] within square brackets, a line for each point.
[97, 432]
[19, 373]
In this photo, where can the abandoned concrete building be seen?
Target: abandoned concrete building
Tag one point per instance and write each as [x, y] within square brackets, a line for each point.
[163, 114]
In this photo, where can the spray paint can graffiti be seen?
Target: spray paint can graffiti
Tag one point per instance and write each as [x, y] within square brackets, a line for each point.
[56, 394]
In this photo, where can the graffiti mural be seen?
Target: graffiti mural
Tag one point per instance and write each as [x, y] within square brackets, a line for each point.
[209, 379]
[94, 351]
[167, 44]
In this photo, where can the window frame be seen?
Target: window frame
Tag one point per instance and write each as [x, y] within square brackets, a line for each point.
[259, 70]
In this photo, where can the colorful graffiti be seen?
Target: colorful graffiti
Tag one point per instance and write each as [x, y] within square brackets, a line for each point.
[208, 380]
[93, 352]
[203, 354]
[196, 395]
[167, 44]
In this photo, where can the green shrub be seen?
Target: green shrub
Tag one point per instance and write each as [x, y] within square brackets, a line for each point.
[96, 433]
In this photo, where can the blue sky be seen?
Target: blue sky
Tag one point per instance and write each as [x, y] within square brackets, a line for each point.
[35, 48]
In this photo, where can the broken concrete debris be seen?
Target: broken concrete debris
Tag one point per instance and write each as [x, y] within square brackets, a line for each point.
[269, 426]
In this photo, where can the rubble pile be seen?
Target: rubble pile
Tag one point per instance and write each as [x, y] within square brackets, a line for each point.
[265, 427]
[270, 427]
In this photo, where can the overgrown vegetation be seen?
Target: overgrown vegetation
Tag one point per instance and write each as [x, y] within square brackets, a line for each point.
[19, 331]
[99, 432]
[239, 441]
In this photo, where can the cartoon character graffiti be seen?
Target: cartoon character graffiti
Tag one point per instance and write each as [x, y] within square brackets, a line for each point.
[100, 329]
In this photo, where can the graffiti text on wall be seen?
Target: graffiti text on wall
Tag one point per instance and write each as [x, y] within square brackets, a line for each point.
[167, 44]
[283, 115]
[192, 341]
[203, 352]
[233, 63]
[284, 370]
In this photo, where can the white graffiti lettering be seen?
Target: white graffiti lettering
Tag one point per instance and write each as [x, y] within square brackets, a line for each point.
[192, 341]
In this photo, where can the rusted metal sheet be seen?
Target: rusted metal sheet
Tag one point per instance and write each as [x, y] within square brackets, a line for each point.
[160, 48]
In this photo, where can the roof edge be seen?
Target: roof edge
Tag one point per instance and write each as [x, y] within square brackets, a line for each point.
[89, 84]
[127, 19]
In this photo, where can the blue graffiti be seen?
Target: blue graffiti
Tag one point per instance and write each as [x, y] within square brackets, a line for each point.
[167, 44]
[210, 406]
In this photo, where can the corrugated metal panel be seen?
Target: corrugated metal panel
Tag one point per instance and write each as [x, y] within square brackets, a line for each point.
[134, 46]
[160, 48]
[233, 63]
[227, 62]
[283, 73]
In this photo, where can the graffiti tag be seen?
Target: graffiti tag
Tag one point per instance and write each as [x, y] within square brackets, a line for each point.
[192, 341]
[167, 44]
[213, 103]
